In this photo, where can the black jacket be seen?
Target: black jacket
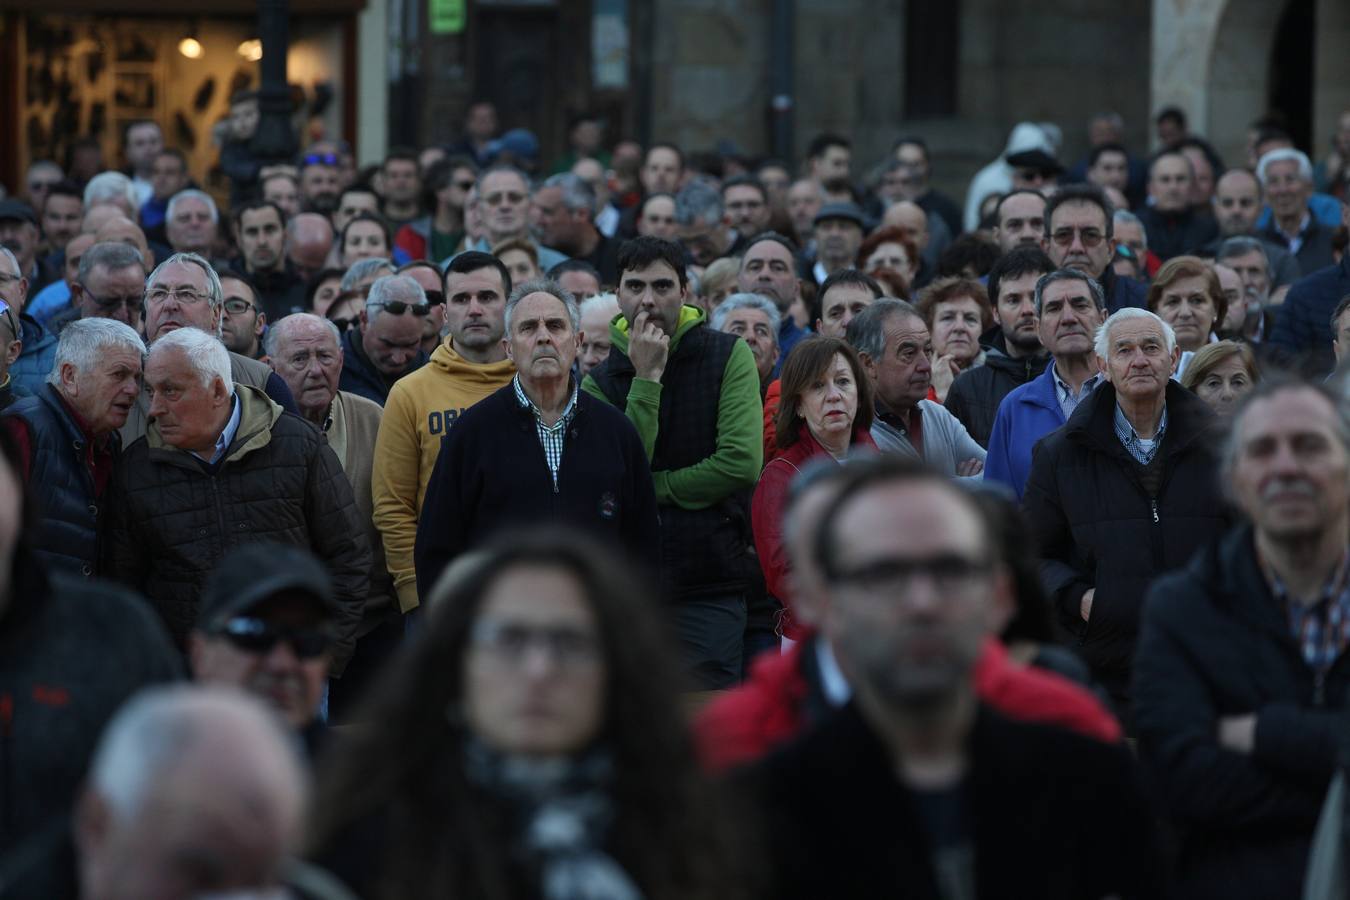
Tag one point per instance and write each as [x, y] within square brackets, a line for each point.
[171, 517]
[67, 534]
[359, 375]
[71, 651]
[1097, 527]
[976, 393]
[1315, 251]
[1122, 292]
[1051, 814]
[491, 475]
[1172, 234]
[1302, 333]
[1214, 642]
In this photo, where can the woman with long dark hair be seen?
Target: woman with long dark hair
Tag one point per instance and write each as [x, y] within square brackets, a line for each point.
[529, 744]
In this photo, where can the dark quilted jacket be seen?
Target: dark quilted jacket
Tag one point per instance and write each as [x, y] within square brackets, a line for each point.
[170, 519]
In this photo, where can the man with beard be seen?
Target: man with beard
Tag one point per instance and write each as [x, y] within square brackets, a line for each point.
[829, 159]
[488, 478]
[470, 364]
[260, 232]
[1013, 353]
[1240, 679]
[319, 182]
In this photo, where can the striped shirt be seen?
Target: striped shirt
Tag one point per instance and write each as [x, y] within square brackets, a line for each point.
[550, 436]
[1068, 400]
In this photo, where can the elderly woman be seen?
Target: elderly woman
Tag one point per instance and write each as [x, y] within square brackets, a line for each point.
[1186, 294]
[826, 411]
[529, 744]
[890, 248]
[957, 312]
[366, 236]
[1221, 374]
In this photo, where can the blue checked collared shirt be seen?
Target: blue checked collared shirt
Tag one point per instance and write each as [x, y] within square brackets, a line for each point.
[1068, 400]
[551, 436]
[1143, 451]
[1321, 629]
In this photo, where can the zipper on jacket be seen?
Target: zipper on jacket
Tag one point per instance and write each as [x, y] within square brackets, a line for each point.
[1153, 502]
[1319, 688]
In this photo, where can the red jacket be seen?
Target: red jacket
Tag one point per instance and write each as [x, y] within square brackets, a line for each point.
[744, 724]
[766, 513]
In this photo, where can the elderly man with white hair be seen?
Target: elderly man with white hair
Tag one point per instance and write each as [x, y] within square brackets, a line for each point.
[1124, 492]
[194, 791]
[1286, 177]
[388, 343]
[67, 436]
[754, 318]
[184, 292]
[191, 222]
[596, 314]
[111, 189]
[220, 465]
[306, 351]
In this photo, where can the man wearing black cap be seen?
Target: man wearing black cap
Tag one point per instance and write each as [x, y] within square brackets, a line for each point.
[839, 233]
[19, 235]
[1033, 169]
[266, 626]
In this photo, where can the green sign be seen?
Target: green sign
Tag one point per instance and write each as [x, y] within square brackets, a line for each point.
[446, 16]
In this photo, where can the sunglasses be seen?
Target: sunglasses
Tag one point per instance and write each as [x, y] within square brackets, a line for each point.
[346, 324]
[398, 307]
[253, 635]
[465, 185]
[320, 159]
[435, 298]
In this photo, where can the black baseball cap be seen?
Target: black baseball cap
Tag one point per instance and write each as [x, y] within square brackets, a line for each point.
[251, 574]
[17, 209]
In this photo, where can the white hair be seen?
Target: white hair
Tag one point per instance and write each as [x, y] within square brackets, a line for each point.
[192, 194]
[542, 286]
[84, 341]
[14, 260]
[606, 303]
[161, 727]
[109, 186]
[205, 354]
[281, 328]
[215, 294]
[389, 288]
[748, 301]
[361, 270]
[1102, 343]
[1285, 154]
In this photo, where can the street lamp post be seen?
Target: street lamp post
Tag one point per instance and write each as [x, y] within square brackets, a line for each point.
[275, 139]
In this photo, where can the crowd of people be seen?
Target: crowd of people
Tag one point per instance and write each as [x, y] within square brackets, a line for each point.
[648, 523]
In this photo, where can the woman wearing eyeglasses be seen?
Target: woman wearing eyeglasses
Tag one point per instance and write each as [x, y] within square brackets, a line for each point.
[529, 744]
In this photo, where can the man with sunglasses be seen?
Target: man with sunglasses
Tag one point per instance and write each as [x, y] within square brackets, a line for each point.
[1078, 235]
[109, 284]
[266, 627]
[428, 275]
[388, 343]
[320, 181]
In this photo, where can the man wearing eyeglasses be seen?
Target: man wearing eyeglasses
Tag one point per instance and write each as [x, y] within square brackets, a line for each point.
[184, 292]
[429, 276]
[266, 627]
[1078, 235]
[109, 284]
[38, 348]
[504, 202]
[242, 320]
[388, 343]
[10, 345]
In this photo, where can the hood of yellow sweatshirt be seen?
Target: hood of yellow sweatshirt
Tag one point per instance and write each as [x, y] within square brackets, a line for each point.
[689, 317]
[450, 362]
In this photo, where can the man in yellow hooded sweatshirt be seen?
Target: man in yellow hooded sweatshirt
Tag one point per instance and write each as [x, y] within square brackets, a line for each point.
[423, 406]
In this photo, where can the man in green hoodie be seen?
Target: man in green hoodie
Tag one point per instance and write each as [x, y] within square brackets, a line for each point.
[423, 406]
[693, 394]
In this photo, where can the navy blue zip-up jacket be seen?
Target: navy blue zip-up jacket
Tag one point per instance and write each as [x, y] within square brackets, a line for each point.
[492, 475]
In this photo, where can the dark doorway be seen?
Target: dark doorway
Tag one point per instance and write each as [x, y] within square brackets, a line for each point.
[516, 53]
[1291, 70]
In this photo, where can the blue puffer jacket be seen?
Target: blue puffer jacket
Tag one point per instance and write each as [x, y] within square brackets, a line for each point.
[1027, 414]
[36, 359]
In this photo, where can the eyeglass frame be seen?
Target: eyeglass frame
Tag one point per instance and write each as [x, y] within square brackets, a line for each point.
[186, 296]
[112, 305]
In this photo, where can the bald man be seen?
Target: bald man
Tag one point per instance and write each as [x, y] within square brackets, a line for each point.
[309, 238]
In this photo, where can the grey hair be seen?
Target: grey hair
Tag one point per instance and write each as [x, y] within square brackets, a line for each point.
[205, 353]
[215, 295]
[14, 260]
[161, 726]
[393, 288]
[1241, 245]
[363, 269]
[278, 329]
[502, 167]
[543, 286]
[747, 301]
[107, 186]
[1049, 278]
[112, 255]
[698, 203]
[1334, 391]
[609, 301]
[1125, 217]
[1285, 154]
[84, 341]
[867, 332]
[1102, 341]
[192, 194]
[576, 193]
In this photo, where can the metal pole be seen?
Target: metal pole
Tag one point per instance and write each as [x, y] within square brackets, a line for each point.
[275, 140]
[782, 51]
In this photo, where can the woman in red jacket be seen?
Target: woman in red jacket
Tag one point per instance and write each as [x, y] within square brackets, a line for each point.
[826, 410]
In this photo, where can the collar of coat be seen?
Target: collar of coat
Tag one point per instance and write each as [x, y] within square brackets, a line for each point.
[257, 415]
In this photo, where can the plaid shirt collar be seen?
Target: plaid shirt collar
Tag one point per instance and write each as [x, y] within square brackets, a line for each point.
[1143, 451]
[1322, 628]
[550, 436]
